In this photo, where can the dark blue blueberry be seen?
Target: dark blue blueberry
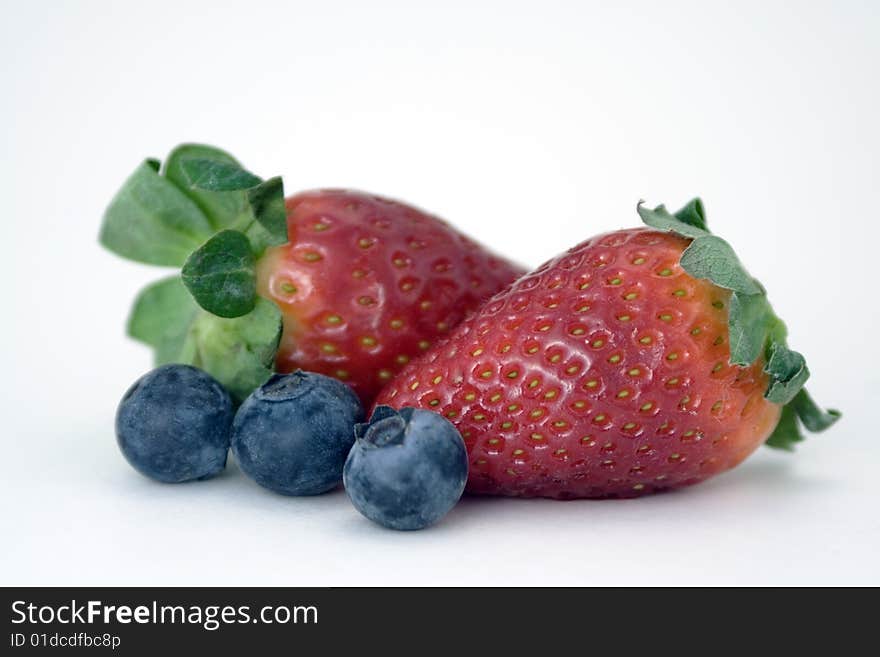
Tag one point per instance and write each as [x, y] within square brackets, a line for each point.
[173, 424]
[292, 434]
[407, 469]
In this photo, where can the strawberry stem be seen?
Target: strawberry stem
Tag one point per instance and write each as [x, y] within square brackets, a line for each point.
[206, 213]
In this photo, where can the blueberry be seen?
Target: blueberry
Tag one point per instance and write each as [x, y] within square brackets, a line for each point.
[292, 434]
[407, 469]
[173, 424]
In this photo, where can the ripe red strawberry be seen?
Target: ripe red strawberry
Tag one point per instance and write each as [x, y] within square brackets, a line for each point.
[608, 371]
[366, 284]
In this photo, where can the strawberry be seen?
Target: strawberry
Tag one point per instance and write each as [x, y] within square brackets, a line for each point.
[337, 282]
[366, 284]
[639, 360]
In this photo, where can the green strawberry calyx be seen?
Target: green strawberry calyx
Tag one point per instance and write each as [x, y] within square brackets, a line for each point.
[203, 213]
[755, 330]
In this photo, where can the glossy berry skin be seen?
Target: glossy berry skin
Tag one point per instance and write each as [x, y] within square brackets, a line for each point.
[406, 470]
[293, 433]
[602, 374]
[173, 424]
[366, 284]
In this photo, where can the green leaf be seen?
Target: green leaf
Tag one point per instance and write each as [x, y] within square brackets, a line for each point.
[787, 432]
[788, 372]
[813, 418]
[256, 208]
[150, 220]
[216, 176]
[161, 317]
[801, 411]
[660, 218]
[221, 275]
[693, 214]
[267, 204]
[240, 352]
[712, 258]
[747, 324]
[223, 209]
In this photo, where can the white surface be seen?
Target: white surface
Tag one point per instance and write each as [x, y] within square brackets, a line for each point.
[531, 126]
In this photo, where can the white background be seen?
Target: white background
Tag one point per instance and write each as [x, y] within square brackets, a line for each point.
[529, 125]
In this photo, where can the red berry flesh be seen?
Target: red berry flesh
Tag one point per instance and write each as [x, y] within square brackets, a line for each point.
[367, 284]
[605, 373]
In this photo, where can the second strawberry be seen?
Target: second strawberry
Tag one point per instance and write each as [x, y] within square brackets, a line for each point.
[360, 284]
